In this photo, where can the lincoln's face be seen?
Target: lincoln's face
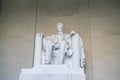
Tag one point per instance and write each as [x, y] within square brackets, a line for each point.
[60, 27]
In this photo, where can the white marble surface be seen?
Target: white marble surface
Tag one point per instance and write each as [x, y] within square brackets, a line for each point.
[57, 57]
[54, 72]
[59, 49]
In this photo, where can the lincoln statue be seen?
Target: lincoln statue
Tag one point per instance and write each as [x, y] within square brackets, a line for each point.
[59, 49]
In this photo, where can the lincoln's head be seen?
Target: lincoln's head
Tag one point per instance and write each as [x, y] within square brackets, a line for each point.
[60, 27]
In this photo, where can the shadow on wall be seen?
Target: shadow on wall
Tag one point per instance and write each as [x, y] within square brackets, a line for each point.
[0, 6]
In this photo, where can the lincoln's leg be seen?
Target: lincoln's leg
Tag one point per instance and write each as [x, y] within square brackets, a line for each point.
[63, 47]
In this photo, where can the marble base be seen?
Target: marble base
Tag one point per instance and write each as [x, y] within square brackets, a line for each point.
[52, 72]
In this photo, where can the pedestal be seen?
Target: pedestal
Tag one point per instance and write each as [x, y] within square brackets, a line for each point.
[52, 72]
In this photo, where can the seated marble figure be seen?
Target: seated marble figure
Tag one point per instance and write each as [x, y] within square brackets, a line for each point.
[59, 49]
[57, 57]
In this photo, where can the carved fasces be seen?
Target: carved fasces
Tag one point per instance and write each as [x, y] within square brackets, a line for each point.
[38, 50]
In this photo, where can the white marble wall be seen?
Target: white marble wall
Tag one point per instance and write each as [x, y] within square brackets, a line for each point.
[97, 22]
[105, 35]
[17, 21]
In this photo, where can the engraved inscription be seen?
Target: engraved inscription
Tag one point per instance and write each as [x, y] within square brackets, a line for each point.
[62, 11]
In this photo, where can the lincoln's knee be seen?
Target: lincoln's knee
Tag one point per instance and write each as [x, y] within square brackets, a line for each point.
[63, 43]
